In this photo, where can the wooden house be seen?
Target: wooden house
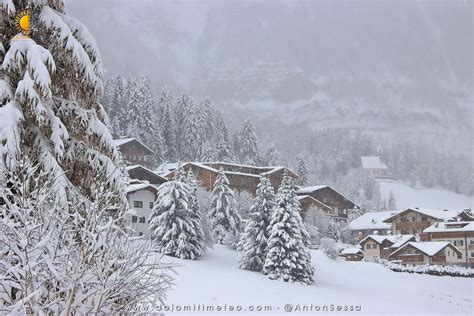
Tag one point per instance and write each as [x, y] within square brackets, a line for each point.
[134, 152]
[241, 177]
[416, 220]
[377, 246]
[352, 254]
[329, 200]
[374, 167]
[138, 172]
[370, 223]
[460, 234]
[430, 252]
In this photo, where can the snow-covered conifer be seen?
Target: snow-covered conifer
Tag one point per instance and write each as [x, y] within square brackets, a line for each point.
[392, 203]
[248, 145]
[255, 238]
[168, 124]
[195, 208]
[287, 259]
[225, 220]
[172, 223]
[333, 231]
[302, 171]
[272, 157]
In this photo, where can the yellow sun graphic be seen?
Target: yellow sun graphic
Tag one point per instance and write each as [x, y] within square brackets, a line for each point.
[21, 22]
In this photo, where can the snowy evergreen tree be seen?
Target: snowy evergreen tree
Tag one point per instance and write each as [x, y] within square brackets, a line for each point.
[287, 259]
[190, 137]
[316, 222]
[225, 220]
[195, 209]
[168, 124]
[173, 225]
[180, 173]
[302, 171]
[333, 230]
[248, 145]
[62, 252]
[255, 238]
[391, 204]
[272, 157]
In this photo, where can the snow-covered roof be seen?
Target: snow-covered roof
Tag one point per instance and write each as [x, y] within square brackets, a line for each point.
[394, 239]
[166, 168]
[430, 248]
[372, 162]
[443, 227]
[372, 221]
[139, 186]
[310, 189]
[401, 240]
[122, 141]
[435, 213]
[352, 251]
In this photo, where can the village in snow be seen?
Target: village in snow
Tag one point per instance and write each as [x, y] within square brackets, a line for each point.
[196, 163]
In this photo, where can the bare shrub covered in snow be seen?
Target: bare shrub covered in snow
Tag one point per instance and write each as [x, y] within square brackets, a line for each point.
[328, 246]
[64, 258]
[449, 270]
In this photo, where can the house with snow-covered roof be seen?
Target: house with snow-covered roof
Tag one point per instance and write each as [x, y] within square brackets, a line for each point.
[241, 177]
[415, 220]
[352, 254]
[141, 196]
[370, 223]
[382, 246]
[326, 198]
[429, 252]
[460, 234]
[138, 172]
[374, 167]
[134, 152]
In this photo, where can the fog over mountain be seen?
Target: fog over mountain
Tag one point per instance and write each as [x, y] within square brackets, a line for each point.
[379, 66]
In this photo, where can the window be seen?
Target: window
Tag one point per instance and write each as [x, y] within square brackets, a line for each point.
[461, 242]
[374, 246]
[424, 218]
[472, 254]
[367, 246]
[134, 219]
[142, 220]
[403, 219]
[138, 204]
[151, 205]
[413, 218]
[471, 241]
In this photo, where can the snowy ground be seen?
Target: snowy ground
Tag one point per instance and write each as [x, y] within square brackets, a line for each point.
[407, 196]
[216, 280]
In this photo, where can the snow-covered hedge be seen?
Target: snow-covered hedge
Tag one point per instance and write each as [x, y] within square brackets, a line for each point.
[449, 270]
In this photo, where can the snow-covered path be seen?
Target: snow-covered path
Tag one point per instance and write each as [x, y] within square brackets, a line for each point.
[216, 280]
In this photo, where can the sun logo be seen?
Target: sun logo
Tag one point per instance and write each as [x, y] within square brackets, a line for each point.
[21, 22]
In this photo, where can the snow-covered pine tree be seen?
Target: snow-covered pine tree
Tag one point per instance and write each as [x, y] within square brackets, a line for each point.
[248, 143]
[180, 173]
[50, 116]
[190, 141]
[302, 171]
[168, 124]
[225, 220]
[181, 110]
[208, 153]
[287, 259]
[392, 203]
[195, 209]
[272, 157]
[254, 241]
[172, 224]
[333, 230]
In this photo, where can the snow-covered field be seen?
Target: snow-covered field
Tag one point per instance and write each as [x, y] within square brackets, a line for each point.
[215, 280]
[407, 196]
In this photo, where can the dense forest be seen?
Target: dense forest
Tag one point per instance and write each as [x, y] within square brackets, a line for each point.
[182, 128]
